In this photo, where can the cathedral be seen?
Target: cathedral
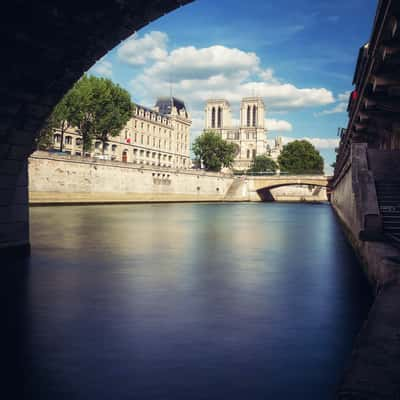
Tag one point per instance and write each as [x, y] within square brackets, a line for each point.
[250, 135]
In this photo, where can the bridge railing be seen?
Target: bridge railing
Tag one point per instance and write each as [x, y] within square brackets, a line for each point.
[278, 173]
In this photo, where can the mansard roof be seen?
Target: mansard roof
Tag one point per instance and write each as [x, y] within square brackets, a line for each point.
[165, 105]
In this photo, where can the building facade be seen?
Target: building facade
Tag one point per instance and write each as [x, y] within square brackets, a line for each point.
[275, 149]
[250, 135]
[158, 136]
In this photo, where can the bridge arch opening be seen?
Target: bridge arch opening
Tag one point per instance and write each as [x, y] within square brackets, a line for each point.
[78, 39]
[64, 42]
[294, 192]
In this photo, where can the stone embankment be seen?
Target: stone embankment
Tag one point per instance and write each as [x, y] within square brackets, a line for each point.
[374, 370]
[56, 179]
[63, 179]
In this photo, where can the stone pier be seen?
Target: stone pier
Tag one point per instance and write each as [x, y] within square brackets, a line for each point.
[14, 209]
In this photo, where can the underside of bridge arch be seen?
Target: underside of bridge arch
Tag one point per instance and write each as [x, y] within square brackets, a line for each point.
[48, 46]
[266, 195]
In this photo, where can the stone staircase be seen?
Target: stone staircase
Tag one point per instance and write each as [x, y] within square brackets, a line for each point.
[237, 191]
[388, 193]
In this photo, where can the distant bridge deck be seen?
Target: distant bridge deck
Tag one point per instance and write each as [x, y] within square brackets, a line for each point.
[269, 181]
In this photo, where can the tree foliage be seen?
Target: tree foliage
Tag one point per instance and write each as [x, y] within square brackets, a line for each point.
[214, 151]
[300, 156]
[104, 108]
[61, 119]
[97, 107]
[263, 163]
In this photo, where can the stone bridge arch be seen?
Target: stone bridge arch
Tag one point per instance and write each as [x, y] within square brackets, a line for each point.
[47, 46]
[260, 187]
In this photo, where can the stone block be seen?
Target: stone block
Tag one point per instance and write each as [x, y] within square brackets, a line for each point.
[19, 152]
[10, 167]
[14, 232]
[14, 213]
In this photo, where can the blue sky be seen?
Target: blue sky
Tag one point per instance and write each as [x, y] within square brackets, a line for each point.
[299, 55]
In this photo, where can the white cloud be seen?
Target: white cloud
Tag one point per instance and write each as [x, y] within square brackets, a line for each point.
[319, 143]
[198, 74]
[344, 97]
[278, 125]
[266, 74]
[150, 47]
[104, 68]
[339, 108]
[190, 63]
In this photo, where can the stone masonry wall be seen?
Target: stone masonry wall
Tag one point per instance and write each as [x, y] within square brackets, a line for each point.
[71, 179]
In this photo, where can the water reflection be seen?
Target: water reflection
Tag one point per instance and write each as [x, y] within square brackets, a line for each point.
[193, 301]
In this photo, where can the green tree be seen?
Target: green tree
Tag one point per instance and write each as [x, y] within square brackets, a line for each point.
[104, 109]
[213, 151]
[60, 119]
[300, 156]
[263, 163]
[97, 107]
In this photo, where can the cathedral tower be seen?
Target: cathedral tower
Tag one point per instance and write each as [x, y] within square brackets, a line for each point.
[252, 112]
[217, 114]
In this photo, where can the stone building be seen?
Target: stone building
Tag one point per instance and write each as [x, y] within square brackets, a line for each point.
[275, 149]
[158, 136]
[250, 135]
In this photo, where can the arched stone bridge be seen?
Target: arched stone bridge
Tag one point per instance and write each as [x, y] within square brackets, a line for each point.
[272, 181]
[257, 188]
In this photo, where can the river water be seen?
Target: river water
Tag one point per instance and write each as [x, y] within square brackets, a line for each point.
[184, 301]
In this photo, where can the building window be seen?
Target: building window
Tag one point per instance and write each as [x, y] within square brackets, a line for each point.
[113, 147]
[106, 146]
[254, 115]
[135, 152]
[148, 140]
[248, 115]
[219, 119]
[97, 145]
[57, 138]
[254, 153]
[147, 154]
[68, 139]
[78, 153]
[248, 154]
[125, 156]
[213, 117]
[141, 139]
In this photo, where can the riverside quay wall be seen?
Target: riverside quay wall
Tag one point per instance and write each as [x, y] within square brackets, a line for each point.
[63, 179]
[374, 371]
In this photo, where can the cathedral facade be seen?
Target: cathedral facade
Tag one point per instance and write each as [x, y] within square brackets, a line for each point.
[250, 135]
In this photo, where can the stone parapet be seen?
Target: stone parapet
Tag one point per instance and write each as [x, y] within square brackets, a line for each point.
[55, 179]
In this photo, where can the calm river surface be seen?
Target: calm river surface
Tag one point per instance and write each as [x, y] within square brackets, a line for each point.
[185, 301]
